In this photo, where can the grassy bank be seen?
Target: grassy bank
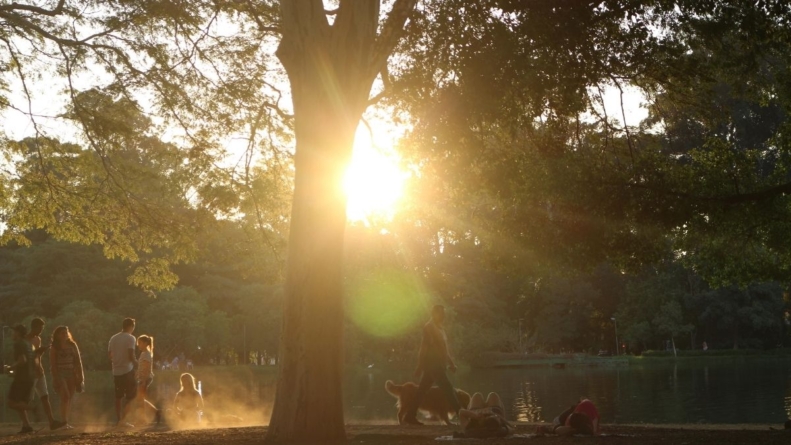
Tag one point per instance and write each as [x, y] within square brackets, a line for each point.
[396, 435]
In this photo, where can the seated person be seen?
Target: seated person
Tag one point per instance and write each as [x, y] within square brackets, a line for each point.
[582, 418]
[484, 418]
[188, 404]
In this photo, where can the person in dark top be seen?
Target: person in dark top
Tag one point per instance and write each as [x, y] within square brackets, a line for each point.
[20, 394]
[433, 361]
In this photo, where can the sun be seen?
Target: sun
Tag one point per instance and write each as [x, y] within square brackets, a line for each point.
[374, 182]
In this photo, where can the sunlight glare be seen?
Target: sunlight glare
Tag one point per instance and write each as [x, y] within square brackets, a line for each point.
[374, 183]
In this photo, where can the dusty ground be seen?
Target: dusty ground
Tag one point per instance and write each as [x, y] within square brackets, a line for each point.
[393, 434]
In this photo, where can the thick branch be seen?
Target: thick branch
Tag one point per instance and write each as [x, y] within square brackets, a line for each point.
[392, 31]
[41, 11]
[387, 84]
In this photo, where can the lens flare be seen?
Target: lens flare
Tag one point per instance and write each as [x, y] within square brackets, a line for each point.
[387, 303]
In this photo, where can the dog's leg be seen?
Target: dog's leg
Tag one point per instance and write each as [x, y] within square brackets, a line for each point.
[401, 414]
[444, 416]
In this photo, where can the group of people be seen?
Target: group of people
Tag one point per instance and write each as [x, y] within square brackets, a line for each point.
[29, 377]
[133, 375]
[482, 417]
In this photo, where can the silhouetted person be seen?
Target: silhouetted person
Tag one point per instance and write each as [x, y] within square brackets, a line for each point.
[20, 394]
[433, 360]
[122, 356]
[66, 365]
[188, 404]
[40, 382]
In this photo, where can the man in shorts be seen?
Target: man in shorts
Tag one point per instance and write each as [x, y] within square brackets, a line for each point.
[40, 382]
[20, 394]
[122, 356]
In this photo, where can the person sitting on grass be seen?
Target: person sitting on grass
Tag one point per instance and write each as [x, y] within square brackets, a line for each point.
[582, 418]
[188, 404]
[484, 418]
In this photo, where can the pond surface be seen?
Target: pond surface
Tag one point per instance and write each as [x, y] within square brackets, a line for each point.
[748, 391]
[752, 390]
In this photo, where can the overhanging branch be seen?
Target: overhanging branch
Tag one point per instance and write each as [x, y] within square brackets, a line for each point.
[35, 9]
[392, 31]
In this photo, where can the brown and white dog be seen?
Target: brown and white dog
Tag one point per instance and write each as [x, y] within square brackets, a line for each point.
[433, 403]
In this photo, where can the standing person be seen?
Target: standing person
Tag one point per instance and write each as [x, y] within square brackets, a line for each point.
[66, 366]
[20, 394]
[122, 356]
[433, 360]
[145, 375]
[40, 382]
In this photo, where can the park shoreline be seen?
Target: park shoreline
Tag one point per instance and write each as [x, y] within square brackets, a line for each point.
[385, 434]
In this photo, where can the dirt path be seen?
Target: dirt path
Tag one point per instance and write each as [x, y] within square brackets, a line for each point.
[392, 434]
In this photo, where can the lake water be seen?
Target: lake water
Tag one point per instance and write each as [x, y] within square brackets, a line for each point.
[753, 390]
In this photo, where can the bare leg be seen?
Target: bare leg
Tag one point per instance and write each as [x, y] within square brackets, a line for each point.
[476, 401]
[126, 408]
[48, 410]
[425, 383]
[493, 400]
[118, 409]
[65, 405]
[23, 416]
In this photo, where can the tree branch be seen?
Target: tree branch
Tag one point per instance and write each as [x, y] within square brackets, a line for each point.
[387, 86]
[41, 11]
[392, 31]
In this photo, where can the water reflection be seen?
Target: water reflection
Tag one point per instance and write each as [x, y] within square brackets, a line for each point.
[525, 405]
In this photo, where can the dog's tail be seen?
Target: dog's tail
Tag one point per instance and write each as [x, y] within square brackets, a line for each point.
[392, 388]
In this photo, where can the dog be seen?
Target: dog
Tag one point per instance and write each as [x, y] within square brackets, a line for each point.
[434, 403]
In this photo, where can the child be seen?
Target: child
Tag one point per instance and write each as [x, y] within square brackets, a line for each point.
[188, 402]
[145, 375]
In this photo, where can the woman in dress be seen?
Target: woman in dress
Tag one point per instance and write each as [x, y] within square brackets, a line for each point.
[66, 368]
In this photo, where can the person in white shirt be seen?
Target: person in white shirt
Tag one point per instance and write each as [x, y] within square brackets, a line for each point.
[145, 375]
[122, 356]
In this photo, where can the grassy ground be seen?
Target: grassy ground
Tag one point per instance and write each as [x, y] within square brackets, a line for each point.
[393, 434]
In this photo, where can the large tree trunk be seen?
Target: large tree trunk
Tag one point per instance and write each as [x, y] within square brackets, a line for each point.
[331, 69]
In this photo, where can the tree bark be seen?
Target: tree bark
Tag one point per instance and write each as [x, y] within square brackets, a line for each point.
[331, 69]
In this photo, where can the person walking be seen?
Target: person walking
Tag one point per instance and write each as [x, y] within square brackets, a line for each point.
[66, 367]
[20, 394]
[145, 376]
[40, 381]
[433, 361]
[122, 355]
